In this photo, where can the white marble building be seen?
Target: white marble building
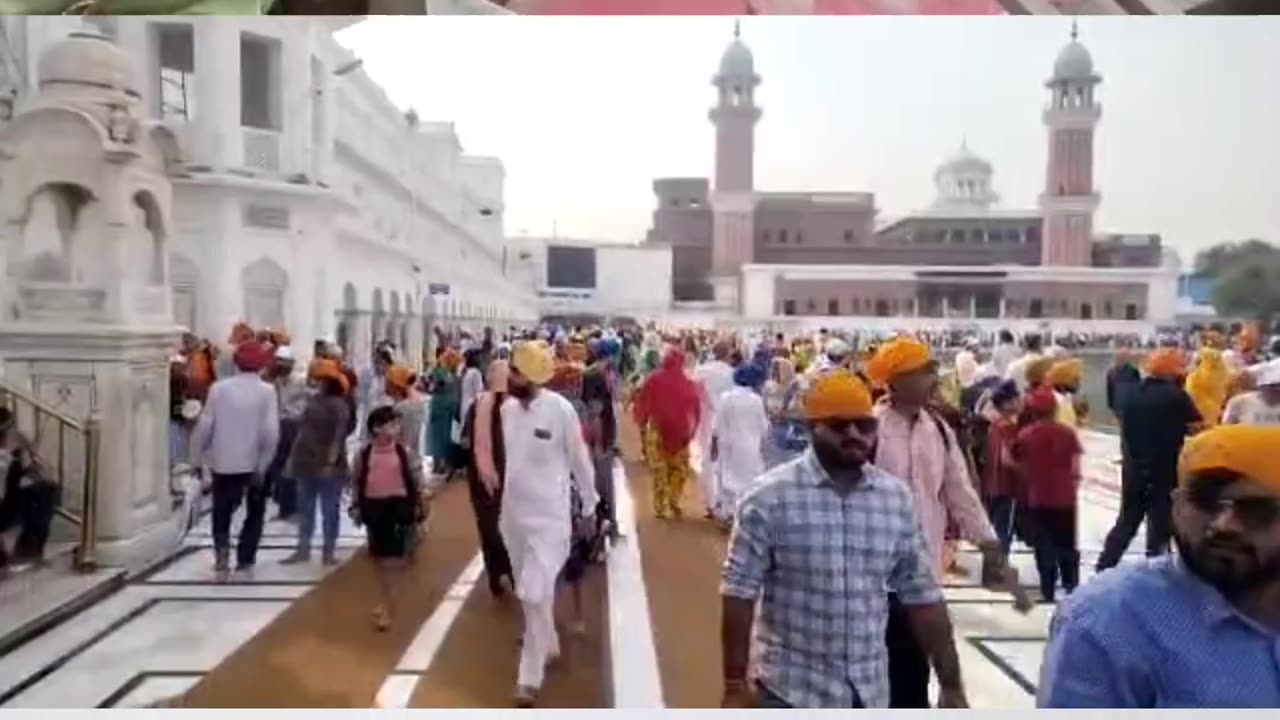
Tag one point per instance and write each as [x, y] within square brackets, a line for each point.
[310, 201]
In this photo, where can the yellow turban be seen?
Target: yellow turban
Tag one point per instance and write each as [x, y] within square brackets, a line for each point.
[1065, 373]
[839, 395]
[400, 376]
[899, 356]
[535, 360]
[1038, 370]
[1209, 384]
[1249, 450]
[1167, 363]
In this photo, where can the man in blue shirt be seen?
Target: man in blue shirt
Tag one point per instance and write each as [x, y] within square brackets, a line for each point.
[1199, 629]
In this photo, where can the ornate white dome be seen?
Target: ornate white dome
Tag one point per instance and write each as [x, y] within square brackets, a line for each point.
[737, 60]
[963, 182]
[964, 161]
[1073, 63]
[85, 58]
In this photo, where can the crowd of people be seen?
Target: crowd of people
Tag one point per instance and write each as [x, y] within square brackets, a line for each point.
[832, 586]
[845, 471]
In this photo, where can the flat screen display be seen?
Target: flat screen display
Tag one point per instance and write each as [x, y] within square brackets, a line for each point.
[571, 267]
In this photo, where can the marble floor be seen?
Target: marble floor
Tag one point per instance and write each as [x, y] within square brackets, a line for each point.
[152, 638]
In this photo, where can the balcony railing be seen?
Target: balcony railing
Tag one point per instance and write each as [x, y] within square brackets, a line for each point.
[261, 149]
[67, 449]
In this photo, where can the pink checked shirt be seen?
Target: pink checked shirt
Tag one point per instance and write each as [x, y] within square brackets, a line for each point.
[915, 451]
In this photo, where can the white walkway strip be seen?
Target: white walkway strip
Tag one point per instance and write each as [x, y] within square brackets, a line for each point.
[398, 686]
[637, 683]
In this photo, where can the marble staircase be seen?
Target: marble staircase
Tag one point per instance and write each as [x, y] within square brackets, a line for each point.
[36, 597]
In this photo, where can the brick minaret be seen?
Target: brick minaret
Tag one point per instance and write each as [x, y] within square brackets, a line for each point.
[733, 195]
[1069, 200]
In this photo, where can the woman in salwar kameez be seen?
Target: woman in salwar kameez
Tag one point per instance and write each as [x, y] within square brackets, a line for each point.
[445, 388]
[668, 407]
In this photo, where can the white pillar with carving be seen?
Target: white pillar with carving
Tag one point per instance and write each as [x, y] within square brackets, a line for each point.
[93, 341]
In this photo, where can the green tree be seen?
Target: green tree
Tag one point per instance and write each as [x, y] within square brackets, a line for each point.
[1246, 278]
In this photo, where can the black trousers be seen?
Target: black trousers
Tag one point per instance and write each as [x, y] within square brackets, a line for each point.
[1142, 496]
[284, 490]
[1057, 554]
[228, 492]
[31, 510]
[492, 549]
[908, 664]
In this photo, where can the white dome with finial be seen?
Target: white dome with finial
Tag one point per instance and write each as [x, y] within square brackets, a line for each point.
[1074, 61]
[963, 182]
[737, 60]
[88, 60]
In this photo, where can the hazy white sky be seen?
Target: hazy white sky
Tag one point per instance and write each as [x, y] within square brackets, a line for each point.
[586, 112]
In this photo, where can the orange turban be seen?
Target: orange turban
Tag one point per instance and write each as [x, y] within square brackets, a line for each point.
[1245, 449]
[839, 395]
[576, 352]
[1065, 373]
[240, 333]
[400, 377]
[451, 359]
[1166, 363]
[899, 356]
[325, 368]
[1038, 370]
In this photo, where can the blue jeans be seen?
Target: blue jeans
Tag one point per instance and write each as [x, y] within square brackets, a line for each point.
[328, 491]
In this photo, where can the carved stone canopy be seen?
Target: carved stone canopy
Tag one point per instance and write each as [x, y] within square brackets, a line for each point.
[81, 145]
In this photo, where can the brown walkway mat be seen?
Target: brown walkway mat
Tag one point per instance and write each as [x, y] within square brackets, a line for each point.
[476, 666]
[322, 652]
[681, 561]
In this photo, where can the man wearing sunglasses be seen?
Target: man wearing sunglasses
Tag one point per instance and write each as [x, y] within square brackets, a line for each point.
[817, 542]
[1199, 629]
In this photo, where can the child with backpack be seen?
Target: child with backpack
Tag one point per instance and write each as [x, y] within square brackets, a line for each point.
[389, 493]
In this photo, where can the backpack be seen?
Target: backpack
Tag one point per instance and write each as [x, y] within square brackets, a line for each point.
[415, 510]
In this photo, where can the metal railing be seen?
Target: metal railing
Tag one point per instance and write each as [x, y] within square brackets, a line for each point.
[67, 450]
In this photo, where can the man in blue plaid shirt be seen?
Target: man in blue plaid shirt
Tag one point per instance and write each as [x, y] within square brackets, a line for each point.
[820, 542]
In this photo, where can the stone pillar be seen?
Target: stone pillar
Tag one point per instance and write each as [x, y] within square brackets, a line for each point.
[915, 306]
[946, 306]
[1004, 306]
[973, 306]
[95, 346]
[217, 123]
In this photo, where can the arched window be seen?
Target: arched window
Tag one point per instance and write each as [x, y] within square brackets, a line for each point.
[186, 291]
[264, 283]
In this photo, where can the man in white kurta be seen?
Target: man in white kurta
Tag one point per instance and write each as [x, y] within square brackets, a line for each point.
[545, 452]
[740, 428]
[714, 379]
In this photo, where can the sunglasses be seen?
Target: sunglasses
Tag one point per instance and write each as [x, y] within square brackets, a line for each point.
[1254, 512]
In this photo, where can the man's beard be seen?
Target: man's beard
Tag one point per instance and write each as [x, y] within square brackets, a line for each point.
[832, 458]
[520, 392]
[1232, 580]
